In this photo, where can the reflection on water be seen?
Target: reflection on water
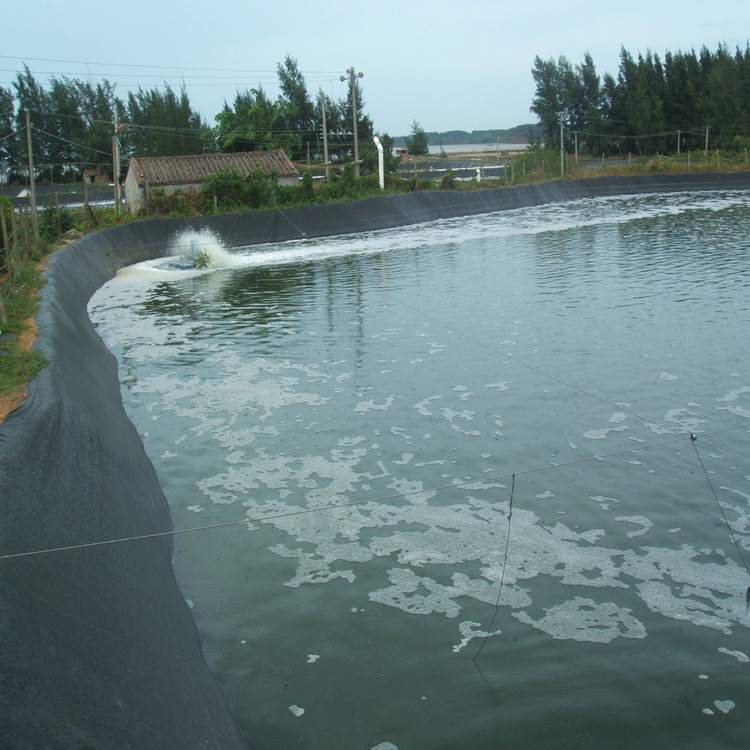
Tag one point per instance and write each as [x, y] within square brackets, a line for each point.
[367, 407]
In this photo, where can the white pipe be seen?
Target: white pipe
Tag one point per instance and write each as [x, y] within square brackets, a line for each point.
[381, 173]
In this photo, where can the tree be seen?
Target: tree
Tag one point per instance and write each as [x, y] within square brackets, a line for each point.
[417, 142]
[255, 123]
[301, 112]
[8, 139]
[96, 111]
[547, 102]
[162, 123]
[30, 95]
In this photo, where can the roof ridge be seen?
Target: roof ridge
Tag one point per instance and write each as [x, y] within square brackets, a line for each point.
[184, 169]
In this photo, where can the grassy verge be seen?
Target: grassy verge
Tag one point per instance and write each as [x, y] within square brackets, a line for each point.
[18, 363]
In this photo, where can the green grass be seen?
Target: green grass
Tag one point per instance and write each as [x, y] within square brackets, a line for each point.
[17, 365]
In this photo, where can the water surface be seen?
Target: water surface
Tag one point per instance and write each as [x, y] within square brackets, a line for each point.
[465, 507]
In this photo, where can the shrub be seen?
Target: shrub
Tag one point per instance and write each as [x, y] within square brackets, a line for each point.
[448, 181]
[306, 189]
[223, 191]
[54, 221]
[259, 190]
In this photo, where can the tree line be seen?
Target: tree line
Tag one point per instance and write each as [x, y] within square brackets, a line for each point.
[73, 123]
[674, 104]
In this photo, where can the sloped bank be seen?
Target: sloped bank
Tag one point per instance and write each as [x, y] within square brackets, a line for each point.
[99, 649]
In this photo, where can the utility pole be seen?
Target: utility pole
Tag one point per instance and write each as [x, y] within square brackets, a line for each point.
[116, 161]
[678, 143]
[576, 136]
[325, 132]
[705, 151]
[352, 76]
[32, 183]
[561, 116]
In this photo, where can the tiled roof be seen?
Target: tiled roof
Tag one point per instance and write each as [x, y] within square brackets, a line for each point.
[195, 168]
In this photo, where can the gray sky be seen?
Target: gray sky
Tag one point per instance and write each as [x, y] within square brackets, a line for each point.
[448, 64]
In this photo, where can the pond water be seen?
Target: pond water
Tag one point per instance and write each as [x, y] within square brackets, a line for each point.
[438, 483]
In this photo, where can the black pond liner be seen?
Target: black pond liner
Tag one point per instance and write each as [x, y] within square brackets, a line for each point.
[99, 649]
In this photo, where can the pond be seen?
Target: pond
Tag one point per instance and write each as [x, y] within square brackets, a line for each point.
[478, 483]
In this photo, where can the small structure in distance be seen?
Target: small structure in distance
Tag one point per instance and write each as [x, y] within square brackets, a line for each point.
[179, 172]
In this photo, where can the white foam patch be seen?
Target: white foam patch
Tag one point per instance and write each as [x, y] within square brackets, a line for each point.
[499, 386]
[423, 406]
[734, 396]
[453, 418]
[739, 655]
[296, 710]
[584, 620]
[688, 420]
[641, 521]
[725, 706]
[364, 406]
[603, 501]
[471, 630]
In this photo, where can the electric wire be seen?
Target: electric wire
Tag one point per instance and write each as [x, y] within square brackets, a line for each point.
[72, 143]
[693, 440]
[502, 573]
[353, 503]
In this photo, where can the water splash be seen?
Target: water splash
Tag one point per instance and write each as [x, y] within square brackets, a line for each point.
[201, 249]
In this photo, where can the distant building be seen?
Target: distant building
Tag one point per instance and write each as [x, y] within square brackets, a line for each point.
[179, 172]
[95, 175]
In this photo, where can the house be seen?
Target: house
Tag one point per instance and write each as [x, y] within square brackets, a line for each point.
[95, 175]
[179, 172]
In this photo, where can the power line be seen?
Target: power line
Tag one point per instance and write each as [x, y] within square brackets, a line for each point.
[155, 67]
[354, 503]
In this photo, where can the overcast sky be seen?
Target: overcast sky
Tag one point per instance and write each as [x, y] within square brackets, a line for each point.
[447, 64]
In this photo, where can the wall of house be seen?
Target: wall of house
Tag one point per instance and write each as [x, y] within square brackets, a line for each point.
[136, 196]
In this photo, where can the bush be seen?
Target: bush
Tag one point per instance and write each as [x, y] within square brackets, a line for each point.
[175, 203]
[306, 189]
[223, 191]
[54, 221]
[259, 189]
[448, 181]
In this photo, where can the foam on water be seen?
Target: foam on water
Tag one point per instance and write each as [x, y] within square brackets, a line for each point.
[419, 534]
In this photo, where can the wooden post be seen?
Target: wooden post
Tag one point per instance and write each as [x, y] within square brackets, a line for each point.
[14, 231]
[32, 182]
[85, 203]
[3, 316]
[6, 245]
[57, 215]
[26, 252]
